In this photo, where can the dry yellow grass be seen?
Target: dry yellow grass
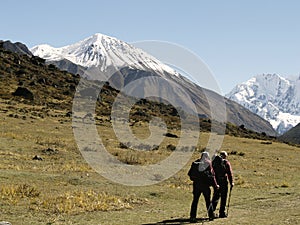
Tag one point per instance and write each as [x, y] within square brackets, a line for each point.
[63, 189]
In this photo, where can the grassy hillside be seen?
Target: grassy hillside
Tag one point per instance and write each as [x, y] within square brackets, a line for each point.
[63, 189]
[45, 180]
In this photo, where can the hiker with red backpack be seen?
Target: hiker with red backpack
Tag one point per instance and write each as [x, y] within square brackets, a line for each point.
[223, 173]
[203, 176]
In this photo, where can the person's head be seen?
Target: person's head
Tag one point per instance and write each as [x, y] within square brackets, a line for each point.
[223, 154]
[204, 155]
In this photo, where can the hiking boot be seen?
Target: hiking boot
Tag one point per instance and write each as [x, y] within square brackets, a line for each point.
[211, 217]
[193, 220]
[222, 215]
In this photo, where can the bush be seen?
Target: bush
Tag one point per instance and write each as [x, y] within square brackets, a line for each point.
[16, 192]
[171, 147]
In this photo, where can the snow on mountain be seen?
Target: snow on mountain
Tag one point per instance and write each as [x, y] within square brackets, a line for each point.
[102, 51]
[108, 53]
[272, 97]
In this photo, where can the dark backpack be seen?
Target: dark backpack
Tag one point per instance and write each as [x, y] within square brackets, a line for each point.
[219, 166]
[204, 176]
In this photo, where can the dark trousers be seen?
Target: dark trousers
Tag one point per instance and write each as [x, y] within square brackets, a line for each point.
[197, 190]
[221, 193]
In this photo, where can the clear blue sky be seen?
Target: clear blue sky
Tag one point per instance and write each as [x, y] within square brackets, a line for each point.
[236, 39]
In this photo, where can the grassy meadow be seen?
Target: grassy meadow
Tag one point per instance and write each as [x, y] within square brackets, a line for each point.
[62, 188]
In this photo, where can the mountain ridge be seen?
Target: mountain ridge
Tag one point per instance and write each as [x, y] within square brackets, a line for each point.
[272, 97]
[101, 51]
[102, 56]
[17, 47]
[292, 135]
[29, 81]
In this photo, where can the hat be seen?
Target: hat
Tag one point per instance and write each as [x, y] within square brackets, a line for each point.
[223, 153]
[205, 155]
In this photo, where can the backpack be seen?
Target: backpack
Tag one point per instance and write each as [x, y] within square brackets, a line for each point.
[219, 166]
[204, 176]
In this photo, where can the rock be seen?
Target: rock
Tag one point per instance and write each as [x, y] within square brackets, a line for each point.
[50, 151]
[171, 135]
[69, 114]
[37, 157]
[23, 92]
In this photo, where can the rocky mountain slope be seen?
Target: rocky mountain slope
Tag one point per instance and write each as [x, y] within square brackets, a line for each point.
[17, 47]
[29, 80]
[272, 97]
[48, 91]
[291, 136]
[101, 57]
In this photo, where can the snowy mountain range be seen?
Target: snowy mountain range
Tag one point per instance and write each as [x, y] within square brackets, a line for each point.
[104, 53]
[272, 97]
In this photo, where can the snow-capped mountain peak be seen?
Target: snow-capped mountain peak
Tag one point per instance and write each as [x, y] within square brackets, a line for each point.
[102, 51]
[108, 53]
[272, 97]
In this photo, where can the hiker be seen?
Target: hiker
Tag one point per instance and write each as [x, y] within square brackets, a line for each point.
[223, 173]
[202, 175]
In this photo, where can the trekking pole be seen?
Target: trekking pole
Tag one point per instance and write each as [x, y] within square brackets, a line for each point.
[229, 199]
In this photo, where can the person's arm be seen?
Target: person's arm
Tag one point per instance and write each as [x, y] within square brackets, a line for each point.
[214, 177]
[229, 173]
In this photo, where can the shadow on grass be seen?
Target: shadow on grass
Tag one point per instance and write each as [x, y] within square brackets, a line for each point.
[177, 221]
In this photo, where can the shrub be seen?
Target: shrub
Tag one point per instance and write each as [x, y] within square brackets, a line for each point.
[171, 147]
[16, 192]
[80, 201]
[241, 153]
[123, 145]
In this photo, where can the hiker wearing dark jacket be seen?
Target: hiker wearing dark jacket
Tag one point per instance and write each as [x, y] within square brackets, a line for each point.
[223, 173]
[202, 184]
